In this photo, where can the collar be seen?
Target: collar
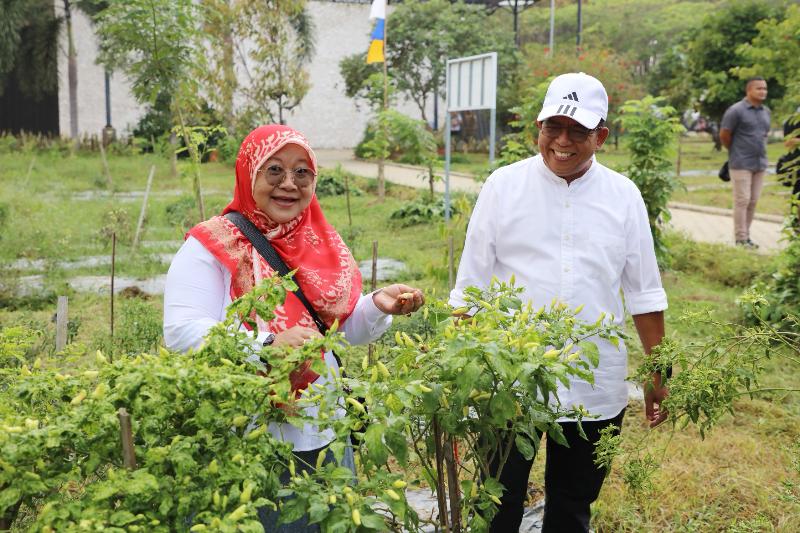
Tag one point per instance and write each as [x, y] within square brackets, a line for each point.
[750, 105]
[558, 180]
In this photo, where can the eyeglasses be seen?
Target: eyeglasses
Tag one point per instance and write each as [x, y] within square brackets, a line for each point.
[575, 133]
[275, 175]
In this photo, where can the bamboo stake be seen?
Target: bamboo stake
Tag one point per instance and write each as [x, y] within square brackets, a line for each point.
[347, 197]
[113, 267]
[30, 169]
[373, 284]
[440, 496]
[126, 436]
[381, 162]
[62, 321]
[144, 207]
[106, 171]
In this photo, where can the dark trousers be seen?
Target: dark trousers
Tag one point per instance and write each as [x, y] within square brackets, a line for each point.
[304, 462]
[571, 481]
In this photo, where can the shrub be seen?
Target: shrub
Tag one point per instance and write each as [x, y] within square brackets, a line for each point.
[17, 345]
[116, 220]
[420, 211]
[650, 131]
[138, 329]
[331, 182]
[521, 144]
[182, 213]
[228, 149]
[781, 289]
[408, 140]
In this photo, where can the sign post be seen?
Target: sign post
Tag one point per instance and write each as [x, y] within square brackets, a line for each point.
[471, 84]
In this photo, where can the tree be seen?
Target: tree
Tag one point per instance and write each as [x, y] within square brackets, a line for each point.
[72, 75]
[12, 18]
[639, 30]
[775, 54]
[613, 70]
[668, 78]
[364, 82]
[422, 36]
[713, 54]
[282, 43]
[28, 46]
[219, 28]
[157, 43]
[651, 130]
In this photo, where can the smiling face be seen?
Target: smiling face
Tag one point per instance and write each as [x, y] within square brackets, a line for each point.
[284, 201]
[565, 157]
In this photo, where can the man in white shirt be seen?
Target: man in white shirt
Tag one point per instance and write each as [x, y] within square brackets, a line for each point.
[571, 229]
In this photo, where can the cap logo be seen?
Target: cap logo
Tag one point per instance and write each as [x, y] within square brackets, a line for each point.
[564, 109]
[571, 96]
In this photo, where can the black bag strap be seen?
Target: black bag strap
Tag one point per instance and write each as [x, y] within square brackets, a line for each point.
[262, 245]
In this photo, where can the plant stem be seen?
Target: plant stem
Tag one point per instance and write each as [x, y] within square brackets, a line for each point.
[452, 483]
[440, 488]
[195, 166]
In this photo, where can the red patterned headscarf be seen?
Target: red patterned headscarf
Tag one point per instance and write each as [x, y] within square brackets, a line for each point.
[326, 270]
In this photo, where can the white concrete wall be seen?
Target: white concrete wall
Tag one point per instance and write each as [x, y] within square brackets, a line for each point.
[125, 110]
[326, 116]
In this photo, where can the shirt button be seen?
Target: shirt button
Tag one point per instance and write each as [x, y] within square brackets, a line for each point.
[566, 269]
[566, 204]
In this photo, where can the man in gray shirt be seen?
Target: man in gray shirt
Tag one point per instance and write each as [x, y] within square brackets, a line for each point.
[743, 131]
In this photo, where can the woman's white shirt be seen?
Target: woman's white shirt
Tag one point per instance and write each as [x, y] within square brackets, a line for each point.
[196, 296]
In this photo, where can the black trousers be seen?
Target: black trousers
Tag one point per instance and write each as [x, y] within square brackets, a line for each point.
[571, 481]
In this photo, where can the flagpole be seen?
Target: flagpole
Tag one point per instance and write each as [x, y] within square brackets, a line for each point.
[381, 162]
[385, 68]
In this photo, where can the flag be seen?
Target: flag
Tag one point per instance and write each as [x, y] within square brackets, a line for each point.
[378, 13]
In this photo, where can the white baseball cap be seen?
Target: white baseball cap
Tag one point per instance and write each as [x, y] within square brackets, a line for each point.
[578, 96]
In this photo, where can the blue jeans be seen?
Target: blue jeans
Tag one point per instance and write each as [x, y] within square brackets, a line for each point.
[269, 518]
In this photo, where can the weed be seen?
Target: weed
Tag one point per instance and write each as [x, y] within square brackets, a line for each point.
[138, 329]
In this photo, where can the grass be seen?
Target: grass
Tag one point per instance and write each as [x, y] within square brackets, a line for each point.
[729, 481]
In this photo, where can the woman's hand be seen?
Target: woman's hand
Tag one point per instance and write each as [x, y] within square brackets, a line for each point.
[398, 299]
[295, 336]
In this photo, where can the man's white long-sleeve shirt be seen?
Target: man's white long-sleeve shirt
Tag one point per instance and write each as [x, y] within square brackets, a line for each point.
[579, 243]
[196, 296]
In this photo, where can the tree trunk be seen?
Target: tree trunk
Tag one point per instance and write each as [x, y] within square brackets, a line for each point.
[381, 180]
[72, 74]
[173, 155]
[230, 79]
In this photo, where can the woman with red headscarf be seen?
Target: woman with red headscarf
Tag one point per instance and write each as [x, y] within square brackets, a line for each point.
[275, 182]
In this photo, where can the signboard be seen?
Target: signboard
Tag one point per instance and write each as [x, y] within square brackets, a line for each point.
[472, 82]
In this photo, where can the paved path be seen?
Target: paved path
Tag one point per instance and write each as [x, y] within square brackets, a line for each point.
[700, 223]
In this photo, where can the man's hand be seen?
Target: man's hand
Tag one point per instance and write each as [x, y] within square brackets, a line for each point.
[654, 394]
[398, 299]
[726, 138]
[650, 327]
[295, 336]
